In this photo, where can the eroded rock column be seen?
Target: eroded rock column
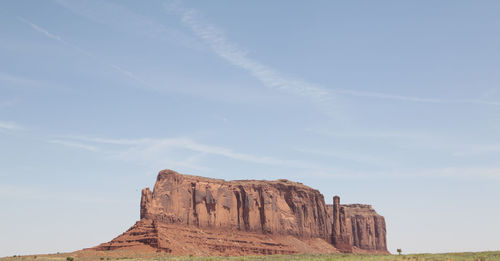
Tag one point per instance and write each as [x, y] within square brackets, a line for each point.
[340, 238]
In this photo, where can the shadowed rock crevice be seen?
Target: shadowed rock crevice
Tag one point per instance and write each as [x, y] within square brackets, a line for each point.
[245, 204]
[262, 211]
[238, 206]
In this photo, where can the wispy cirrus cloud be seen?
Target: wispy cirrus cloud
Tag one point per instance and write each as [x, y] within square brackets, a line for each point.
[37, 192]
[151, 153]
[374, 134]
[214, 38]
[10, 126]
[387, 96]
[235, 55]
[153, 147]
[477, 149]
[415, 140]
[60, 39]
[117, 17]
[74, 144]
[15, 80]
[473, 172]
[187, 154]
[492, 172]
[349, 156]
[42, 30]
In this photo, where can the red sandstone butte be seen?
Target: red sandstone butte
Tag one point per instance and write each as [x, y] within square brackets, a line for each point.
[202, 216]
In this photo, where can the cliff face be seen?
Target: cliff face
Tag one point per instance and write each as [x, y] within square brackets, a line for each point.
[361, 228]
[365, 228]
[277, 207]
[239, 217]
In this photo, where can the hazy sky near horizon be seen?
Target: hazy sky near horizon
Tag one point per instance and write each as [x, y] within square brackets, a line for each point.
[389, 103]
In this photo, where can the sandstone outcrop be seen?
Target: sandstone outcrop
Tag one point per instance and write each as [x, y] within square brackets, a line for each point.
[187, 214]
[357, 228]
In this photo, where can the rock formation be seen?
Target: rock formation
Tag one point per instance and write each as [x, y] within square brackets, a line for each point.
[195, 215]
[357, 228]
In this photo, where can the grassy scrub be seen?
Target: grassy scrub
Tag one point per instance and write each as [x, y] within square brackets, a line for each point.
[472, 256]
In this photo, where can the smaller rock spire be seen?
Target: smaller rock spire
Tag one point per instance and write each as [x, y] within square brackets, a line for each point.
[336, 221]
[146, 199]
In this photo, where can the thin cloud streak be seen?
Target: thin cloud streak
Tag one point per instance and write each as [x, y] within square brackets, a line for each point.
[142, 151]
[348, 156]
[26, 192]
[42, 30]
[473, 150]
[489, 173]
[410, 98]
[230, 52]
[163, 152]
[236, 56]
[466, 172]
[74, 144]
[58, 38]
[16, 80]
[148, 144]
[373, 134]
[122, 19]
[417, 140]
[215, 39]
[10, 126]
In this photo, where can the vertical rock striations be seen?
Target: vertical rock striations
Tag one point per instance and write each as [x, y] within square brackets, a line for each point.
[367, 228]
[340, 236]
[357, 228]
[189, 214]
[276, 207]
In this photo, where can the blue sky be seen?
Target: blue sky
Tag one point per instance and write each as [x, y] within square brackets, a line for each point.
[391, 103]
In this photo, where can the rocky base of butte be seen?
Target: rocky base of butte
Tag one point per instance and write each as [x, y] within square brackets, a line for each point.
[201, 216]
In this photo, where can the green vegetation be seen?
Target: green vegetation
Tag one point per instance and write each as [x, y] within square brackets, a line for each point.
[472, 256]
